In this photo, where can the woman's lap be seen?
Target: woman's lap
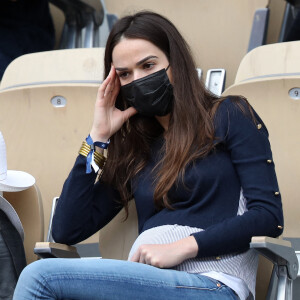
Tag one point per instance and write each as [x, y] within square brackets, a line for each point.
[113, 279]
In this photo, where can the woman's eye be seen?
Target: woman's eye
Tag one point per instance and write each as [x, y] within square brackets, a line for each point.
[123, 74]
[148, 65]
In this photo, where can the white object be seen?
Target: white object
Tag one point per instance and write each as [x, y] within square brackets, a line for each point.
[215, 81]
[12, 181]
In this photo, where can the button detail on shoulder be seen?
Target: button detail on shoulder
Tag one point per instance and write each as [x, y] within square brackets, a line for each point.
[279, 227]
[276, 193]
[269, 161]
[259, 126]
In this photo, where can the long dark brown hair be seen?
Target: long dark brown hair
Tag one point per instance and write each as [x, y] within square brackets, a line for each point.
[190, 134]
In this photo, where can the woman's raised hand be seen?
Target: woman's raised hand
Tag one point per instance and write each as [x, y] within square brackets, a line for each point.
[107, 118]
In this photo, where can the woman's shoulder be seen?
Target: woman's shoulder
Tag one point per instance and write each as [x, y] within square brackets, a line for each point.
[234, 108]
[234, 114]
[234, 103]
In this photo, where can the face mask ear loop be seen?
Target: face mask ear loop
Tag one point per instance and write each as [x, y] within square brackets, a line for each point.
[167, 67]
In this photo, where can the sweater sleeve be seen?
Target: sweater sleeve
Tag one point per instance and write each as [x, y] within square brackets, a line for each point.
[84, 206]
[250, 152]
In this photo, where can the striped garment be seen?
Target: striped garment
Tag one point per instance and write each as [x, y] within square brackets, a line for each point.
[242, 266]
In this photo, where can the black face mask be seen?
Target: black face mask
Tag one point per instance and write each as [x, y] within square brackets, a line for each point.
[151, 95]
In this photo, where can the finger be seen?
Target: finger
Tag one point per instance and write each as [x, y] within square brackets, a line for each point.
[142, 260]
[115, 91]
[106, 82]
[117, 80]
[113, 77]
[113, 71]
[111, 84]
[144, 256]
[148, 259]
[129, 112]
[109, 89]
[117, 86]
[103, 86]
[135, 257]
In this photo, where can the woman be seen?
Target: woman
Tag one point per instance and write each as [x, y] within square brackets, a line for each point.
[199, 168]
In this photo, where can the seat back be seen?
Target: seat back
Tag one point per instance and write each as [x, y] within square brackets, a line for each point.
[29, 207]
[117, 237]
[272, 86]
[44, 133]
[269, 78]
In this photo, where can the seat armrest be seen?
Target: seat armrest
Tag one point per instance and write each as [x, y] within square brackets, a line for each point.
[278, 251]
[52, 250]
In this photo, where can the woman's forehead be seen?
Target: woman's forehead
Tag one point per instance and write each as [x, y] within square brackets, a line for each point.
[134, 50]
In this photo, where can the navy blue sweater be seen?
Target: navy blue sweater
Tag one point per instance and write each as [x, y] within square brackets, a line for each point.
[208, 199]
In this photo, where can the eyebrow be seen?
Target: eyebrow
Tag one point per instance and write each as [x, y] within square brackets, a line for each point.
[138, 63]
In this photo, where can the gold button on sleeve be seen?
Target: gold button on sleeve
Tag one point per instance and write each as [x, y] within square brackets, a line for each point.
[269, 161]
[218, 258]
[276, 193]
[259, 126]
[279, 227]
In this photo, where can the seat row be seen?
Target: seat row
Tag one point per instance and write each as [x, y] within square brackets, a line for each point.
[45, 115]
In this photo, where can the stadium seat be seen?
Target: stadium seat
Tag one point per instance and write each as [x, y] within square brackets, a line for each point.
[269, 77]
[86, 24]
[46, 113]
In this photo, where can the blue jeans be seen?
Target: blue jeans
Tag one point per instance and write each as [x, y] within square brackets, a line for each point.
[86, 279]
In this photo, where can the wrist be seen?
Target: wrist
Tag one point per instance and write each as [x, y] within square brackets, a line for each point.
[96, 160]
[189, 247]
[99, 138]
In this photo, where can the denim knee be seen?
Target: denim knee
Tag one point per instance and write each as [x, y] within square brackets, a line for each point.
[31, 278]
[35, 269]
